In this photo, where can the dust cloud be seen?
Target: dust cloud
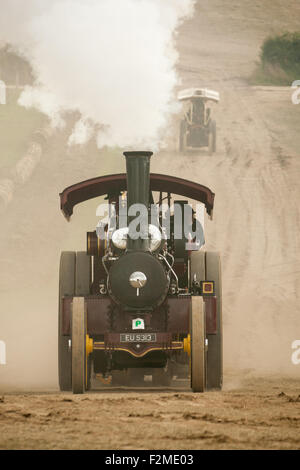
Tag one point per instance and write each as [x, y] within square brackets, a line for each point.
[106, 59]
[114, 64]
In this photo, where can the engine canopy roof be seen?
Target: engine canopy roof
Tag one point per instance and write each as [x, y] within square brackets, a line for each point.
[199, 93]
[114, 184]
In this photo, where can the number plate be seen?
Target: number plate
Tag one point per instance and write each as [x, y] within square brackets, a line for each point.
[138, 337]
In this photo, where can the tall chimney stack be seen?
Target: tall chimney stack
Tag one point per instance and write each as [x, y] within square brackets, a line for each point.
[138, 191]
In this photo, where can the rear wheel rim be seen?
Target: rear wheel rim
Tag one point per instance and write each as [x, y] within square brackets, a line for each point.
[78, 345]
[198, 369]
[215, 342]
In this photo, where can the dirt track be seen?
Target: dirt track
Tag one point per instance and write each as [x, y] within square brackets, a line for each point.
[255, 175]
[258, 414]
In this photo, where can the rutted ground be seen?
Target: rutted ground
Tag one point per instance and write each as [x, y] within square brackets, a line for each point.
[258, 414]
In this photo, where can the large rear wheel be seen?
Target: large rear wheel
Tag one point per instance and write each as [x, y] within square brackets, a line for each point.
[198, 367]
[79, 360]
[215, 342]
[66, 288]
[83, 274]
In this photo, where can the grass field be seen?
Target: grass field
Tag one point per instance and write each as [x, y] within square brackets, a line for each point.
[279, 60]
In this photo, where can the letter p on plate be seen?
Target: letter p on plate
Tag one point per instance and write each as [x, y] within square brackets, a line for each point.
[138, 324]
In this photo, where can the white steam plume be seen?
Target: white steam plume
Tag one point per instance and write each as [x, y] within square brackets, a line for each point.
[112, 60]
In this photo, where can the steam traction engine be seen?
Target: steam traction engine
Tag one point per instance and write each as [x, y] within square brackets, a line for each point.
[131, 304]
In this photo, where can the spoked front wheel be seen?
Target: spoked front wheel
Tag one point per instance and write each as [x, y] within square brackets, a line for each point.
[79, 359]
